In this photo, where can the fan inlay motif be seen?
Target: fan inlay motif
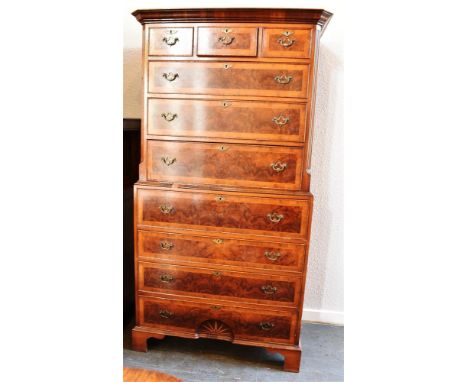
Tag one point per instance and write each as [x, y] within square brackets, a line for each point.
[215, 329]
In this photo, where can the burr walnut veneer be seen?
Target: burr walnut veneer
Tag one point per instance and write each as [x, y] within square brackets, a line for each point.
[222, 205]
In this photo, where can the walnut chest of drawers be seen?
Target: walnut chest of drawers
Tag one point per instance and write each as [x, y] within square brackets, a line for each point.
[222, 205]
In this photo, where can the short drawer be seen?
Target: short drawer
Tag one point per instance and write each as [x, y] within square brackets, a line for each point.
[218, 321]
[225, 164]
[294, 43]
[227, 41]
[170, 41]
[160, 246]
[227, 285]
[257, 120]
[223, 212]
[228, 78]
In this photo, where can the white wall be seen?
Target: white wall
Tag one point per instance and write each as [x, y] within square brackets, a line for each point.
[324, 288]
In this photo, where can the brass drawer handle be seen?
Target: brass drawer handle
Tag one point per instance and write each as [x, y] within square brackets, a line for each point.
[170, 40]
[170, 76]
[286, 42]
[218, 241]
[279, 167]
[166, 209]
[267, 325]
[169, 116]
[226, 40]
[274, 217]
[280, 120]
[273, 256]
[283, 79]
[165, 314]
[166, 245]
[168, 160]
[166, 278]
[269, 289]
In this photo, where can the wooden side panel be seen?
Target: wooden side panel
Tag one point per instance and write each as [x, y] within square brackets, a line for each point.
[223, 213]
[224, 164]
[228, 78]
[228, 285]
[170, 247]
[218, 321]
[284, 122]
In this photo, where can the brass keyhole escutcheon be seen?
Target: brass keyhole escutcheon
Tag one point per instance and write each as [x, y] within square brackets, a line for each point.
[227, 66]
[219, 198]
[218, 241]
[226, 104]
[217, 274]
[223, 148]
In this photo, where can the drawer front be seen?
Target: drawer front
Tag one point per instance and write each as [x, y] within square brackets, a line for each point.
[227, 41]
[284, 122]
[228, 285]
[219, 250]
[223, 212]
[225, 164]
[286, 43]
[170, 41]
[228, 78]
[218, 321]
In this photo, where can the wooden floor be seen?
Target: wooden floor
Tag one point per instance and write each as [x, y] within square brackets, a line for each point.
[219, 361]
[142, 375]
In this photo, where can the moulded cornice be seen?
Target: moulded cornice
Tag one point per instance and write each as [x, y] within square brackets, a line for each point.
[318, 17]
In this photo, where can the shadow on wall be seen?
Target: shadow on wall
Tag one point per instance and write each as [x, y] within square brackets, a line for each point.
[326, 228]
[133, 85]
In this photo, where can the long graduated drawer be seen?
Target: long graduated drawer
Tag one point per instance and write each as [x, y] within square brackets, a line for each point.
[228, 78]
[277, 167]
[215, 320]
[221, 284]
[259, 120]
[219, 250]
[274, 215]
